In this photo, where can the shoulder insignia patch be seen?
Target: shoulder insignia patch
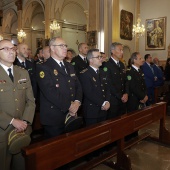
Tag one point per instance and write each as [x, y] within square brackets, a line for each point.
[42, 74]
[73, 63]
[105, 69]
[83, 71]
[129, 77]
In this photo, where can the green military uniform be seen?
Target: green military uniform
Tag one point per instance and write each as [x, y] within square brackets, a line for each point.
[16, 101]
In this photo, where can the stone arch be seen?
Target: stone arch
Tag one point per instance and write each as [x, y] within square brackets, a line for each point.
[30, 6]
[9, 19]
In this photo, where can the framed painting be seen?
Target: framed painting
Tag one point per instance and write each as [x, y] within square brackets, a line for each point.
[155, 34]
[91, 38]
[126, 25]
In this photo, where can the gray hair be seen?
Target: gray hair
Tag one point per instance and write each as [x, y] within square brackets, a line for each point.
[113, 46]
[51, 42]
[90, 53]
[133, 57]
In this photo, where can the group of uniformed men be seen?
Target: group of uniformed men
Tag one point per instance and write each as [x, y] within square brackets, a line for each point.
[103, 89]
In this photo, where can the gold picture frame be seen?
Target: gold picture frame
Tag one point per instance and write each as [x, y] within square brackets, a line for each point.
[155, 34]
[126, 25]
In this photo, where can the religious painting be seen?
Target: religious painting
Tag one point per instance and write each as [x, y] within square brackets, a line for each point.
[126, 25]
[155, 34]
[92, 38]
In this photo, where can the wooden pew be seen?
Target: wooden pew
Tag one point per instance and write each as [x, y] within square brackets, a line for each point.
[58, 151]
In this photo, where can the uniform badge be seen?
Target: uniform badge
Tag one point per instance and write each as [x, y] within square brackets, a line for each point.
[22, 81]
[72, 75]
[94, 79]
[42, 74]
[2, 81]
[73, 63]
[55, 72]
[129, 77]
[105, 69]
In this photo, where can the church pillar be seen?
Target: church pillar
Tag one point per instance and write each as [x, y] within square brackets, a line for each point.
[115, 21]
[47, 19]
[137, 12]
[18, 3]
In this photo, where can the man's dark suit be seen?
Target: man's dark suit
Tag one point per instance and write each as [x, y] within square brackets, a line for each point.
[57, 90]
[137, 88]
[118, 85]
[79, 64]
[96, 91]
[30, 67]
[149, 81]
[159, 74]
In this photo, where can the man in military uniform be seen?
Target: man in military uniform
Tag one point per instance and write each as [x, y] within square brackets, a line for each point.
[22, 61]
[117, 81]
[60, 89]
[17, 104]
[95, 89]
[80, 62]
[137, 88]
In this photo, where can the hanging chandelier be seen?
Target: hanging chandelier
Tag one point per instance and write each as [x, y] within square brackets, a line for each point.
[21, 34]
[54, 26]
[1, 37]
[138, 30]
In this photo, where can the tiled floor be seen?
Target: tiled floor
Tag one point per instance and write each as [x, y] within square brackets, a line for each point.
[147, 155]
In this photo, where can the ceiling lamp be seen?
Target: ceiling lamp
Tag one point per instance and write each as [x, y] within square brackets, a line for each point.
[138, 30]
[1, 37]
[21, 34]
[54, 26]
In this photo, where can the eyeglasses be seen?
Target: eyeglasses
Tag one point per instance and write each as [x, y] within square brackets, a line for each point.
[7, 49]
[62, 46]
[99, 57]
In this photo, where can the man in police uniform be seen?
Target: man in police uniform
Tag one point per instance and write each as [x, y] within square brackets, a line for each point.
[137, 88]
[117, 81]
[22, 61]
[60, 90]
[16, 104]
[95, 89]
[80, 62]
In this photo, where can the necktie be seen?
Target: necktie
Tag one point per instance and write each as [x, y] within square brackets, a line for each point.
[152, 69]
[97, 72]
[85, 60]
[10, 75]
[118, 64]
[63, 67]
[23, 64]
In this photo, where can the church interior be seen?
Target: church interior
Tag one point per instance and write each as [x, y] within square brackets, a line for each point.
[99, 23]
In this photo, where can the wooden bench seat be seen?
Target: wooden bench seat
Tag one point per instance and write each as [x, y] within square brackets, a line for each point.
[58, 151]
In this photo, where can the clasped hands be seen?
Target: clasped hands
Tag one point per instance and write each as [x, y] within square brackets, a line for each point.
[19, 125]
[74, 108]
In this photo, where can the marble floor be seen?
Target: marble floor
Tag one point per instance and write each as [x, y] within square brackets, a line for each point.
[147, 155]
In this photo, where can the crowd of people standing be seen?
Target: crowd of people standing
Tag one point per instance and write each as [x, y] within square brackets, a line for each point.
[62, 84]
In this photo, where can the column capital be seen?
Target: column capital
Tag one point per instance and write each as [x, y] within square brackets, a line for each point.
[18, 3]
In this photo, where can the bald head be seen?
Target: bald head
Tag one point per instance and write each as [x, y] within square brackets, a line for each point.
[22, 51]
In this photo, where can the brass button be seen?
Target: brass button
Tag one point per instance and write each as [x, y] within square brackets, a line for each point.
[16, 99]
[72, 95]
[17, 109]
[69, 81]
[14, 90]
[2, 89]
[70, 88]
[102, 90]
[23, 87]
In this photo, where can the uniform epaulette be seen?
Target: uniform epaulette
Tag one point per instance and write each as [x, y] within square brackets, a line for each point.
[83, 71]
[128, 69]
[40, 62]
[20, 67]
